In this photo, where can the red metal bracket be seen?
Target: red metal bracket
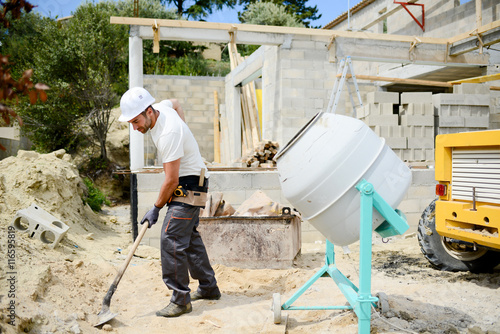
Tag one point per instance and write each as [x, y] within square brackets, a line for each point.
[404, 4]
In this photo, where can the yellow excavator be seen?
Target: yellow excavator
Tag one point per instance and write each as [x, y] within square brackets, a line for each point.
[459, 231]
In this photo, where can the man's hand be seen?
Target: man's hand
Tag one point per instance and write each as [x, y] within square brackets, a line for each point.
[151, 216]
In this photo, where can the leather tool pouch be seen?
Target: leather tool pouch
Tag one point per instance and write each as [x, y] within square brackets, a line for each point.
[194, 198]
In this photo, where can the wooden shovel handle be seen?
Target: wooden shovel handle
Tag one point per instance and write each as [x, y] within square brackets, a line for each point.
[131, 253]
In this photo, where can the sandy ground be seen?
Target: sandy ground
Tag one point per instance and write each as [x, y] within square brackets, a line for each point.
[61, 290]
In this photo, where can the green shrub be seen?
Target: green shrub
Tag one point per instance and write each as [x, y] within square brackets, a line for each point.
[94, 198]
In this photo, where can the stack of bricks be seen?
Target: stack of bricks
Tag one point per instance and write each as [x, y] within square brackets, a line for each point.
[378, 114]
[409, 133]
[417, 118]
[468, 109]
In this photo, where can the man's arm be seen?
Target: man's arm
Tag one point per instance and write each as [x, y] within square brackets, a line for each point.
[170, 182]
[177, 107]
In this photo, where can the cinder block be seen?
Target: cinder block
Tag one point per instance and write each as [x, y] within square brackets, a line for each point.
[420, 142]
[428, 109]
[382, 97]
[419, 131]
[471, 88]
[477, 122]
[407, 98]
[408, 120]
[423, 177]
[385, 109]
[40, 224]
[396, 143]
[388, 131]
[429, 155]
[381, 120]
[265, 180]
[451, 121]
[461, 99]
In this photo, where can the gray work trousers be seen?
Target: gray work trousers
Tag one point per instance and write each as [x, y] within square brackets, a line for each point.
[182, 250]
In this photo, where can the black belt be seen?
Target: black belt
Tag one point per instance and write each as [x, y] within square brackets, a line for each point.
[191, 182]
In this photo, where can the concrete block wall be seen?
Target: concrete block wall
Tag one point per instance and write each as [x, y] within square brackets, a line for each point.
[196, 95]
[304, 78]
[13, 146]
[409, 132]
[237, 186]
[443, 18]
[494, 109]
[461, 112]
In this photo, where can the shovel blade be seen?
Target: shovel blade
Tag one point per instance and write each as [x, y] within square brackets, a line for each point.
[104, 316]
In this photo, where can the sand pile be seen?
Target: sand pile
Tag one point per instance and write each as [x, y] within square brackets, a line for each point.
[41, 279]
[49, 180]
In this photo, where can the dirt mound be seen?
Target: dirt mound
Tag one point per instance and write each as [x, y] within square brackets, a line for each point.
[49, 180]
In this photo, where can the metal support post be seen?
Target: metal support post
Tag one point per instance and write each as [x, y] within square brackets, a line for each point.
[359, 300]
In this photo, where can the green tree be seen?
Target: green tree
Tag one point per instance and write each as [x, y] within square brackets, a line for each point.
[200, 8]
[298, 8]
[10, 88]
[268, 13]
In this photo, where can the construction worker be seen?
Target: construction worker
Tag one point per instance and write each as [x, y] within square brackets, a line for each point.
[182, 248]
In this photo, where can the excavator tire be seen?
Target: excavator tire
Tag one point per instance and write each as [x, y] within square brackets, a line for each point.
[446, 255]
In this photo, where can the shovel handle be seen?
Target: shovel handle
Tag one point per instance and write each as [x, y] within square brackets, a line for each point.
[130, 254]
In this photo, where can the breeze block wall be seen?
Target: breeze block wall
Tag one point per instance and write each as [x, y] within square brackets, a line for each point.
[196, 96]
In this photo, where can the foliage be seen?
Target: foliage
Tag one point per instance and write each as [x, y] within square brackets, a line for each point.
[268, 13]
[84, 60]
[10, 88]
[298, 8]
[94, 197]
[200, 9]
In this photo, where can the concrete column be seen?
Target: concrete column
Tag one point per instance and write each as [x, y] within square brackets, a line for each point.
[233, 115]
[135, 79]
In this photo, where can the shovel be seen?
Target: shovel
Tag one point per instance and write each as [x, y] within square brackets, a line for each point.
[106, 315]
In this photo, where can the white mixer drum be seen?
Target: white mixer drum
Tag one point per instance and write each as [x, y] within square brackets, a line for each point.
[320, 167]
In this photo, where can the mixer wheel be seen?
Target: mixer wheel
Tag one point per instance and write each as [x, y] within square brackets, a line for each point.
[383, 303]
[277, 308]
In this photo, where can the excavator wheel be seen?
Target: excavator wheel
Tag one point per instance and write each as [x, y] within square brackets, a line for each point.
[449, 255]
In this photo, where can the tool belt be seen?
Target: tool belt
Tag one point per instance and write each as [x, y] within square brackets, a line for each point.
[191, 190]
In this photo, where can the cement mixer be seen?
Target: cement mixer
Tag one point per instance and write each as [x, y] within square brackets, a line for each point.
[320, 166]
[346, 182]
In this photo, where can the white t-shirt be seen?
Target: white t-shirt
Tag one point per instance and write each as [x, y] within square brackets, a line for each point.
[174, 140]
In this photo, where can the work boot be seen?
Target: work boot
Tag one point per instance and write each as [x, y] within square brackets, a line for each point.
[173, 310]
[197, 295]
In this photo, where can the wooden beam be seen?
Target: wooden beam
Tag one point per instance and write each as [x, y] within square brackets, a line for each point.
[484, 78]
[480, 30]
[488, 38]
[208, 28]
[479, 13]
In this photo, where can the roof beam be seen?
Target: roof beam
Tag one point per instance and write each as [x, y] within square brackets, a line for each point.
[212, 32]
[383, 47]
[488, 38]
[401, 52]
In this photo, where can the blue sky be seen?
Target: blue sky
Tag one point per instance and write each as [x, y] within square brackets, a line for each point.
[329, 9]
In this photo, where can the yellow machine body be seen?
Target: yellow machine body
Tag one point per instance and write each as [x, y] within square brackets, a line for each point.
[468, 165]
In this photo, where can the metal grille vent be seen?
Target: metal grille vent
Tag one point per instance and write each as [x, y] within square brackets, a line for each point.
[479, 169]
